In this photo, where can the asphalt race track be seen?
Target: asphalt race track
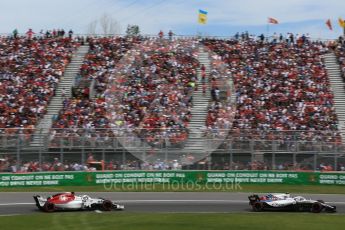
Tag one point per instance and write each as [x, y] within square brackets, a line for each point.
[12, 203]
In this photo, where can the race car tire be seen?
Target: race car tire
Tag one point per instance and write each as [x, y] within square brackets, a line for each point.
[316, 207]
[94, 206]
[258, 207]
[297, 208]
[49, 207]
[107, 205]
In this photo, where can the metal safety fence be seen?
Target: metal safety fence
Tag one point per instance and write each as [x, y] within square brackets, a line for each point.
[240, 150]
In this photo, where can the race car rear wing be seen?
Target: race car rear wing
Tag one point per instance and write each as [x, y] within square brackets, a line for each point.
[253, 198]
[40, 201]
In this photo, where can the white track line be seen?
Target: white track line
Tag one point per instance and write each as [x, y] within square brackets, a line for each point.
[198, 201]
[9, 215]
[149, 201]
[236, 193]
[14, 204]
[335, 202]
[203, 201]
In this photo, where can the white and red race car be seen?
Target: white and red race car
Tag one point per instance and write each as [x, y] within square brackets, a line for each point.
[283, 201]
[69, 201]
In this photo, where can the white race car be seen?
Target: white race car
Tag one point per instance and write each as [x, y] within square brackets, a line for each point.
[283, 201]
[70, 201]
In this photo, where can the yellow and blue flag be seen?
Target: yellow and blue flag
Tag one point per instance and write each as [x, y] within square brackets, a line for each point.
[202, 19]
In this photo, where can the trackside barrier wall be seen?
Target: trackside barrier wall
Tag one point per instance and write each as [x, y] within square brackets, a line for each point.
[179, 177]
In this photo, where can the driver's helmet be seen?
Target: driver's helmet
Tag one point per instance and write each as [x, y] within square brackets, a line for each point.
[270, 197]
[299, 198]
[85, 197]
[267, 197]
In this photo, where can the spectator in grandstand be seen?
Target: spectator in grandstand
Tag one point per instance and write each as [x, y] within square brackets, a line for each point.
[15, 33]
[90, 158]
[4, 165]
[70, 33]
[61, 33]
[341, 167]
[170, 34]
[292, 38]
[237, 36]
[325, 167]
[203, 79]
[160, 34]
[262, 37]
[63, 92]
[275, 38]
[203, 68]
[30, 34]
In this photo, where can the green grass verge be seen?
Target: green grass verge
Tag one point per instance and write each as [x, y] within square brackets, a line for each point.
[326, 189]
[173, 221]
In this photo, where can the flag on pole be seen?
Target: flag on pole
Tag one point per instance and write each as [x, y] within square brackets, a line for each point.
[329, 24]
[341, 22]
[273, 21]
[202, 19]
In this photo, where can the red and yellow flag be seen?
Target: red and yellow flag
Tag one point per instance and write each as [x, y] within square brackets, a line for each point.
[273, 21]
[329, 24]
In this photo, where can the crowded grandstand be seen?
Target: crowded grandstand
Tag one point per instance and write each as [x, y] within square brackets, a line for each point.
[151, 103]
